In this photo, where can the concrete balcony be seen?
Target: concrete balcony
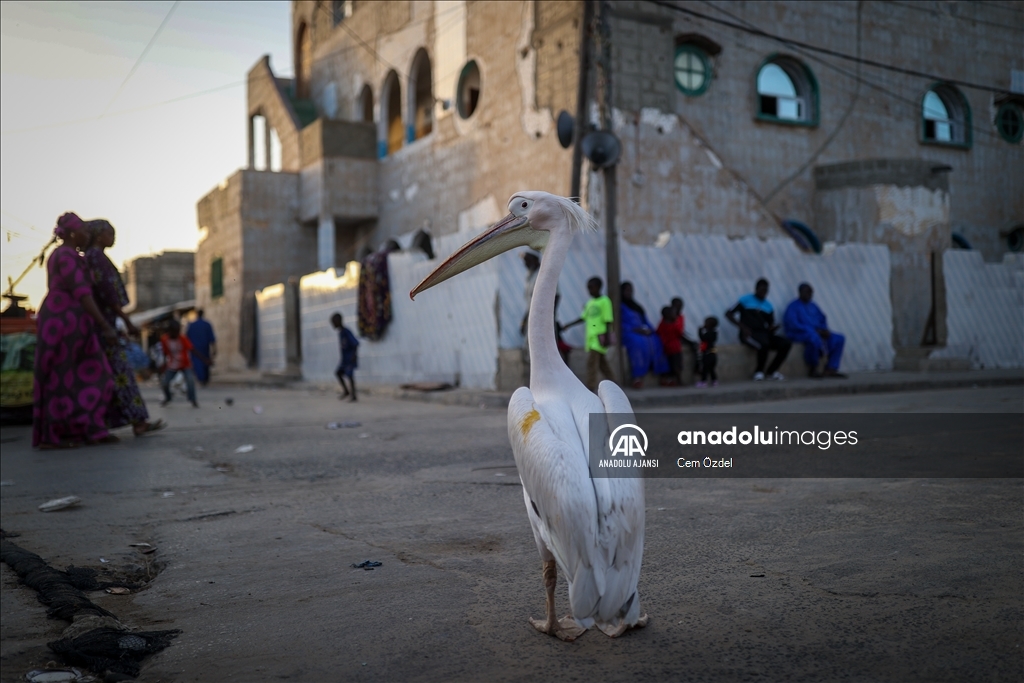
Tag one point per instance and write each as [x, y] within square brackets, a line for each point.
[338, 178]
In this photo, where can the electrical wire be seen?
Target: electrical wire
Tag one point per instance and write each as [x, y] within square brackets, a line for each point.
[832, 53]
[914, 104]
[141, 57]
[839, 126]
[936, 13]
[90, 119]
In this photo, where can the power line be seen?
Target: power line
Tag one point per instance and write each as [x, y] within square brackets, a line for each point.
[823, 50]
[936, 13]
[855, 76]
[142, 56]
[90, 119]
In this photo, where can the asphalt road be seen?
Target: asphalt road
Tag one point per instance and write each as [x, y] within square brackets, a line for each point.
[760, 580]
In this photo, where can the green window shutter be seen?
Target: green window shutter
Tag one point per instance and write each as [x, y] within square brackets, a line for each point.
[217, 278]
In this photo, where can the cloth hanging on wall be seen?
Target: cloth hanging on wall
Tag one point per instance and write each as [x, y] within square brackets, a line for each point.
[374, 296]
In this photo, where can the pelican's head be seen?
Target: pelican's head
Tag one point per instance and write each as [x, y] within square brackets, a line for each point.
[532, 218]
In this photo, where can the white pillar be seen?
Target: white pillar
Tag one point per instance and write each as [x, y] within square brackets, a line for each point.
[325, 240]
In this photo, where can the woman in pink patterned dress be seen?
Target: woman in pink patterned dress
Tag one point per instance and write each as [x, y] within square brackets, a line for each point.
[73, 380]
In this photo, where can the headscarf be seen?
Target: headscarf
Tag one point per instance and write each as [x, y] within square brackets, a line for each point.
[631, 303]
[67, 224]
[97, 226]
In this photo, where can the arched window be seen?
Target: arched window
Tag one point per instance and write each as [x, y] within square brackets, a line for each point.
[945, 117]
[786, 92]
[364, 111]
[303, 62]
[468, 96]
[391, 115]
[421, 93]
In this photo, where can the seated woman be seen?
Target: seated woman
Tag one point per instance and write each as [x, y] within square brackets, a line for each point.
[127, 406]
[638, 336]
[73, 381]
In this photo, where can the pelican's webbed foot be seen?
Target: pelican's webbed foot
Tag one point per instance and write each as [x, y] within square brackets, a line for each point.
[565, 628]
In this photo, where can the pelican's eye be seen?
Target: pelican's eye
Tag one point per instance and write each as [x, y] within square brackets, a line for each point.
[519, 206]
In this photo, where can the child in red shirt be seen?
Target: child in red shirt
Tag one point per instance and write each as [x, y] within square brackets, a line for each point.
[176, 350]
[672, 339]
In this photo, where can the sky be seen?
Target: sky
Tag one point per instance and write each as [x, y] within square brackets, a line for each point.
[75, 135]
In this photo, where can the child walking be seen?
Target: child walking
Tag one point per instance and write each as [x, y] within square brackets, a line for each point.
[349, 361]
[177, 351]
[708, 352]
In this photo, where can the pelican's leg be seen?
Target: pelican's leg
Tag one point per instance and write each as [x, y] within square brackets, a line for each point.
[566, 629]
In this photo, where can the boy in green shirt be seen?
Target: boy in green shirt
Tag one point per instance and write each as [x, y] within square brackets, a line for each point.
[597, 314]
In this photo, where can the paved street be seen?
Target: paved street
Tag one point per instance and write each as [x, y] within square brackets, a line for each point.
[766, 580]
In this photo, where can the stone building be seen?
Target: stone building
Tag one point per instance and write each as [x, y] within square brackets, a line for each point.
[890, 123]
[160, 280]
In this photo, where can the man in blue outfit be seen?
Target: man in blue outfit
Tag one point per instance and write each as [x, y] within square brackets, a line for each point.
[200, 333]
[805, 323]
[755, 317]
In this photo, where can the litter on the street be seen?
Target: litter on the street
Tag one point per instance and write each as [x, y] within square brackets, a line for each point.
[258, 410]
[144, 548]
[247, 448]
[60, 503]
[118, 590]
[343, 425]
[368, 565]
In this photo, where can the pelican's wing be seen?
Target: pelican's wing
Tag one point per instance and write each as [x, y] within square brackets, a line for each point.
[620, 505]
[559, 494]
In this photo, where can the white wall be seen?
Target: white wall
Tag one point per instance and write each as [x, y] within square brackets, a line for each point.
[449, 334]
[851, 285]
[270, 326]
[985, 309]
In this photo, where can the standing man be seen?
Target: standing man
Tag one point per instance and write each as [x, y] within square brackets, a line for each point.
[200, 333]
[804, 322]
[756, 320]
[597, 314]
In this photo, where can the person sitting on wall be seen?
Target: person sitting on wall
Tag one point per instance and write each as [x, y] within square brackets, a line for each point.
[756, 320]
[804, 322]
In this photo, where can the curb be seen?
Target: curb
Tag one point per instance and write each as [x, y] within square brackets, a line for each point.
[747, 392]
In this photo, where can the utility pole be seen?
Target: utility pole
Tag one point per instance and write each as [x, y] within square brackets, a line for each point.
[611, 232]
[582, 98]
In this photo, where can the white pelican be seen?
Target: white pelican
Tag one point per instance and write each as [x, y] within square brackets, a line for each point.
[591, 529]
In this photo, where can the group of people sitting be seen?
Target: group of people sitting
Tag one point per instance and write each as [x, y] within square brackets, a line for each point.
[659, 349]
[85, 381]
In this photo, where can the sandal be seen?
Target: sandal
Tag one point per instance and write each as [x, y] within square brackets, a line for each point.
[148, 427]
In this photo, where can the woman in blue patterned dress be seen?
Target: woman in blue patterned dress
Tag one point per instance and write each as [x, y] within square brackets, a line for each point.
[127, 406]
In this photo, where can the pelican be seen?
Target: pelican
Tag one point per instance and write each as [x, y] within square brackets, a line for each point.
[592, 529]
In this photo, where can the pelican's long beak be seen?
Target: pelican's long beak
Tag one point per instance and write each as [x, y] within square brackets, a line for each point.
[510, 232]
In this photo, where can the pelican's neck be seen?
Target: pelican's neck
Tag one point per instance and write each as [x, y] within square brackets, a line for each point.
[546, 364]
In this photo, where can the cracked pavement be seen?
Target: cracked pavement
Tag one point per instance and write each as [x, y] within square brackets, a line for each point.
[744, 579]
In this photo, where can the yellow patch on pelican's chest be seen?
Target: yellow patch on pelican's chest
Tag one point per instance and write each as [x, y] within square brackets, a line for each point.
[527, 424]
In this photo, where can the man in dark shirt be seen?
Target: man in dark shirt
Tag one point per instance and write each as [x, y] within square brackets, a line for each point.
[755, 317]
